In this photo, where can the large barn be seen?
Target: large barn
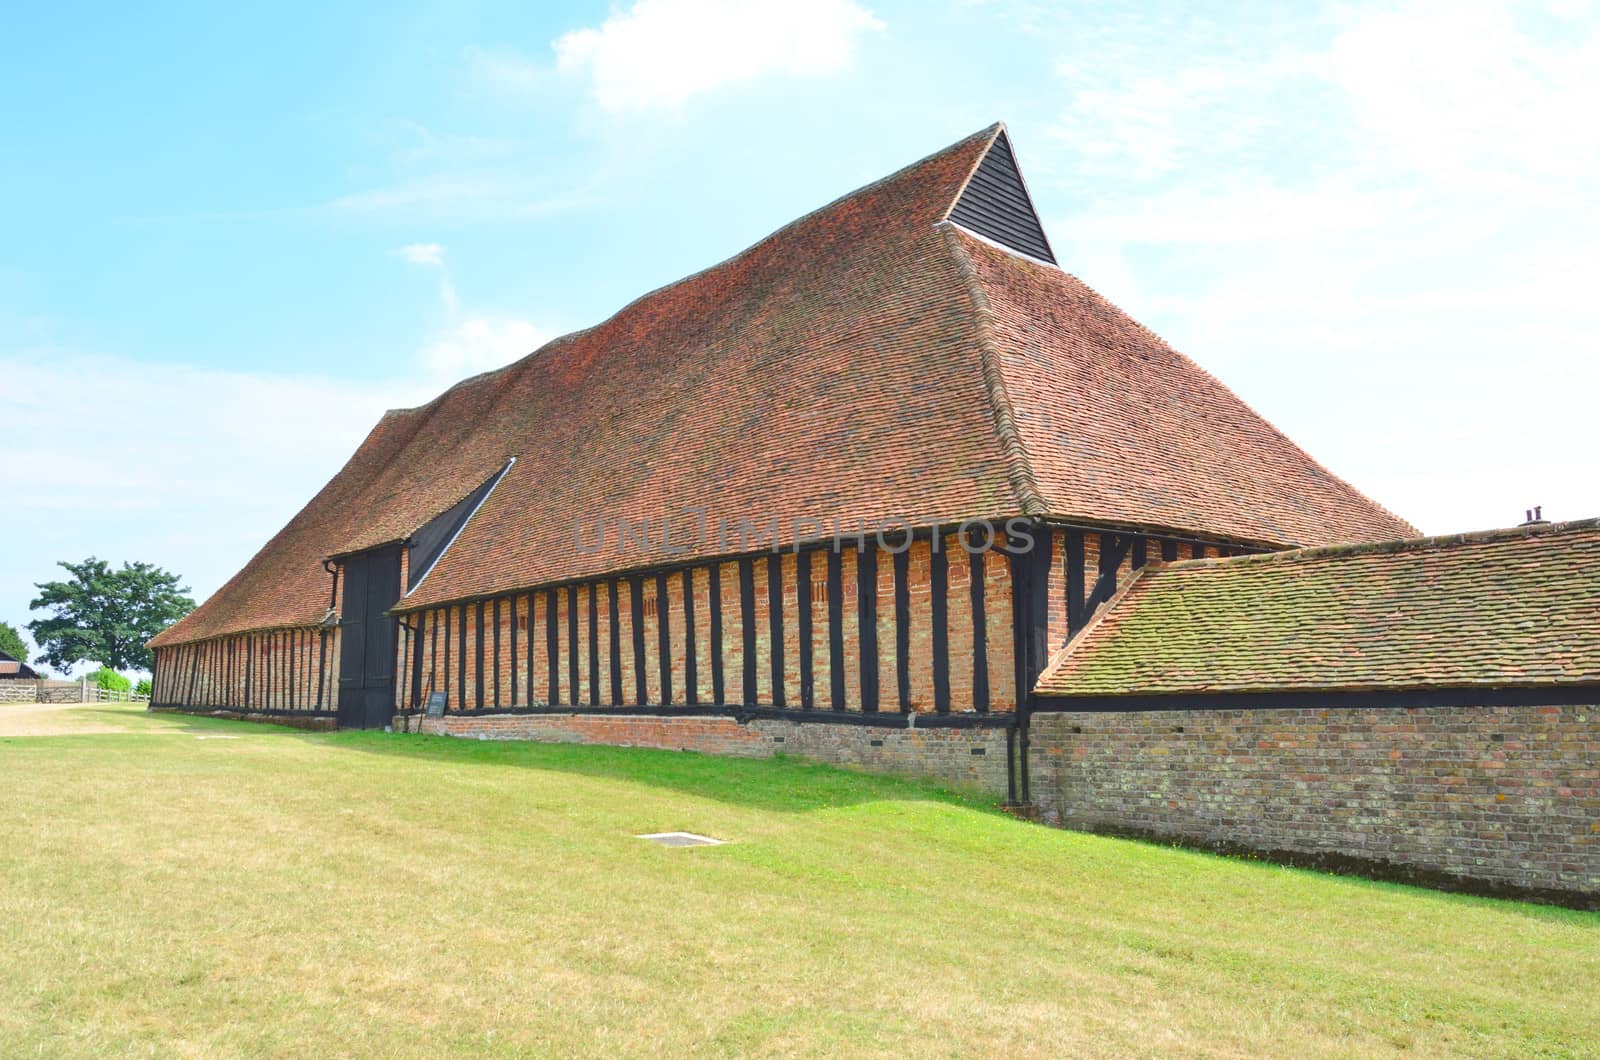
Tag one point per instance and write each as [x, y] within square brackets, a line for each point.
[866, 475]
[892, 489]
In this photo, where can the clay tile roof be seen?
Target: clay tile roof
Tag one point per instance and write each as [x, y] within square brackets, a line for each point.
[1506, 608]
[871, 360]
[1119, 427]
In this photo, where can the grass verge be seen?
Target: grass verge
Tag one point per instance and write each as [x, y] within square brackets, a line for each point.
[286, 893]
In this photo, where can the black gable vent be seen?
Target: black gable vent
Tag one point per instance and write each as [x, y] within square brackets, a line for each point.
[995, 205]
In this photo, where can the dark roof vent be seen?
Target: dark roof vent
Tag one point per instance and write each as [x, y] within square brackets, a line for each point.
[995, 204]
[1535, 517]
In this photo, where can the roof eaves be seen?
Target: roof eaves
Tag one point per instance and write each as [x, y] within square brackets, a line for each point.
[996, 244]
[391, 542]
[1437, 543]
[1067, 520]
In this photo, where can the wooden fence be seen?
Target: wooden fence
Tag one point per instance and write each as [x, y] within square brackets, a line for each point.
[63, 692]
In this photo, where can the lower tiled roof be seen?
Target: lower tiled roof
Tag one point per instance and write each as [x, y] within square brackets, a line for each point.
[1504, 609]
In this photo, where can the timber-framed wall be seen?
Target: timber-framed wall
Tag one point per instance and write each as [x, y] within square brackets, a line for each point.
[940, 632]
[931, 628]
[291, 672]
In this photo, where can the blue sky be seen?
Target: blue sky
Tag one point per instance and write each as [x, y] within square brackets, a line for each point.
[230, 238]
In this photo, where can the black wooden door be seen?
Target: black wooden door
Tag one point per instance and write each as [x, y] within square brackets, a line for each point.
[367, 639]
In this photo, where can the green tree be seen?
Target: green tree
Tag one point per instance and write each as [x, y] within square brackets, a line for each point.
[110, 680]
[11, 642]
[104, 615]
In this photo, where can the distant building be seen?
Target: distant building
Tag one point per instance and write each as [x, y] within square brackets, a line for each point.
[13, 668]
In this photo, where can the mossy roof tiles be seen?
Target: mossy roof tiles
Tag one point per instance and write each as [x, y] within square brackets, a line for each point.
[1502, 609]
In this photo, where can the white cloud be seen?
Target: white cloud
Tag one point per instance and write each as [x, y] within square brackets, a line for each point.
[1455, 90]
[188, 468]
[1379, 228]
[658, 54]
[423, 253]
[468, 342]
[460, 198]
[478, 344]
[193, 468]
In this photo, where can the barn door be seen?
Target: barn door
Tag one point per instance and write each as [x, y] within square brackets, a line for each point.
[367, 639]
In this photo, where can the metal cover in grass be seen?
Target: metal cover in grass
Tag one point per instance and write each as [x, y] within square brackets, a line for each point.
[682, 839]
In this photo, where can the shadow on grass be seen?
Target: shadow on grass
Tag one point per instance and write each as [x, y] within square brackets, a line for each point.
[780, 784]
[793, 785]
[139, 722]
[146, 723]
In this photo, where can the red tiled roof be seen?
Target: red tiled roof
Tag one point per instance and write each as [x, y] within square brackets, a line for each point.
[1507, 608]
[863, 362]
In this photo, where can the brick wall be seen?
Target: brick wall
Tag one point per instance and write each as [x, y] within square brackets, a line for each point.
[1506, 795]
[972, 758]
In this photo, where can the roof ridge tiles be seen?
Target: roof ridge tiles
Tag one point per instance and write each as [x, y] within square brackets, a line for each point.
[1019, 471]
[1095, 299]
[991, 134]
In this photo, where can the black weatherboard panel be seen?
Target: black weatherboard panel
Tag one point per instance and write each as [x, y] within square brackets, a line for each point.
[995, 205]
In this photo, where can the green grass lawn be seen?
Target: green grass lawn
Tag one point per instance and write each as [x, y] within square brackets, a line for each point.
[286, 893]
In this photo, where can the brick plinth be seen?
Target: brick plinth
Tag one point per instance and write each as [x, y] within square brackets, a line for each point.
[1509, 796]
[971, 758]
